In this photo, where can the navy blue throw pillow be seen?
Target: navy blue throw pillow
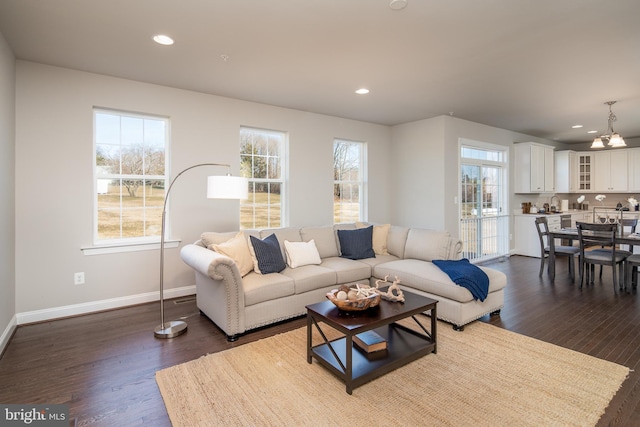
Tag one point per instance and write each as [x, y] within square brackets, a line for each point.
[357, 244]
[268, 254]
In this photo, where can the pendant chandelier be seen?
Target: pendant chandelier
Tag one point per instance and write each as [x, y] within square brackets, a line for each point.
[615, 140]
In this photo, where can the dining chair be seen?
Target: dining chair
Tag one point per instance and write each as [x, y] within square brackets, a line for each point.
[600, 234]
[631, 273]
[633, 260]
[628, 225]
[631, 224]
[560, 250]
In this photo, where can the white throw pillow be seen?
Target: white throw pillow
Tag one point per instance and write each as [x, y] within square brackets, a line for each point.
[238, 250]
[301, 253]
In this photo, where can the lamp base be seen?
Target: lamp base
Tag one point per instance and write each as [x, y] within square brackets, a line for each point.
[170, 329]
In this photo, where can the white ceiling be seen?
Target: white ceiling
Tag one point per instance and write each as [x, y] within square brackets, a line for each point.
[531, 66]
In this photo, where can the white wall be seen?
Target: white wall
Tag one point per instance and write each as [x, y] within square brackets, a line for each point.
[7, 192]
[427, 152]
[54, 157]
[419, 172]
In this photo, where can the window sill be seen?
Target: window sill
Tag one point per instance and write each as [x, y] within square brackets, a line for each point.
[128, 247]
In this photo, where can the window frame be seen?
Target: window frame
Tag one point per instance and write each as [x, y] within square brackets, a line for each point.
[132, 242]
[492, 230]
[283, 160]
[360, 182]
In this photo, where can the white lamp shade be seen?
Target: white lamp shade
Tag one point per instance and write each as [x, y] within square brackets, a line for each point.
[227, 187]
[597, 143]
[617, 141]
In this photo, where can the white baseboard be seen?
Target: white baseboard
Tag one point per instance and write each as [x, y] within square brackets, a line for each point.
[93, 306]
[8, 332]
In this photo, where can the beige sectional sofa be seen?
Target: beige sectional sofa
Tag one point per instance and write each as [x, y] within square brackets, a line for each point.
[237, 298]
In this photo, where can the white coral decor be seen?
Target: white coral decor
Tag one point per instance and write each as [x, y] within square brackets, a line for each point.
[600, 197]
[632, 201]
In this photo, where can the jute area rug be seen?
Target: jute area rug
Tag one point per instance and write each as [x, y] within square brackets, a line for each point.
[483, 376]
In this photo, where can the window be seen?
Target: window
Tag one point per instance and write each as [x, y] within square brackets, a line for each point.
[130, 152]
[348, 186]
[262, 161]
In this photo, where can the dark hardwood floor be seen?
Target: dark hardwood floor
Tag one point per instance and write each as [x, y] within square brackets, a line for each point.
[102, 365]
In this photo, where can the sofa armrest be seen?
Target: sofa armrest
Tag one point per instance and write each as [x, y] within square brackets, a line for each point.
[456, 249]
[208, 262]
[219, 288]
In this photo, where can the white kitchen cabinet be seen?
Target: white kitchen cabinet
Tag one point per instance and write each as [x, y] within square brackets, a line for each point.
[633, 155]
[586, 216]
[534, 168]
[611, 170]
[549, 170]
[567, 178]
[527, 242]
[585, 172]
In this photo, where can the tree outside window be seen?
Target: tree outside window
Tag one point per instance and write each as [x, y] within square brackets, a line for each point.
[348, 175]
[130, 152]
[262, 161]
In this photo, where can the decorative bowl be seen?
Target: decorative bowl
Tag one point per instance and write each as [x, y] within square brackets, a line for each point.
[359, 304]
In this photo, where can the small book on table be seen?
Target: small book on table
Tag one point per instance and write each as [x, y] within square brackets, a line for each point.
[370, 341]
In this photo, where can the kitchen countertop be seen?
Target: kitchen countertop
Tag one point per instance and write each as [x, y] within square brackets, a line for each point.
[568, 212]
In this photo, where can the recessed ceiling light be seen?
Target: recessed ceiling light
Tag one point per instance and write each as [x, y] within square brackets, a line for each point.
[362, 91]
[576, 126]
[593, 131]
[398, 4]
[162, 39]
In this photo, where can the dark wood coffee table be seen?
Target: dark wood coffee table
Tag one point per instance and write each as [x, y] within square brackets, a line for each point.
[355, 367]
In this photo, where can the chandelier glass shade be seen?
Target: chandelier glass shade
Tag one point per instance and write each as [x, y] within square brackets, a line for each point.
[614, 139]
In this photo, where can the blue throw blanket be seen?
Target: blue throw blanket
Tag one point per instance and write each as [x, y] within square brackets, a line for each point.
[467, 275]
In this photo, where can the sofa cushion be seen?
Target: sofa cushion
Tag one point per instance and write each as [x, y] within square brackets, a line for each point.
[356, 244]
[397, 240]
[310, 277]
[301, 253]
[291, 234]
[266, 287]
[266, 255]
[427, 277]
[325, 239]
[427, 245]
[380, 235]
[423, 276]
[379, 259]
[497, 279]
[237, 248]
[467, 275]
[347, 270]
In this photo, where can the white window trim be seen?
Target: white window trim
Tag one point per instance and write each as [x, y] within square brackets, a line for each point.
[133, 244]
[362, 182]
[130, 247]
[284, 181]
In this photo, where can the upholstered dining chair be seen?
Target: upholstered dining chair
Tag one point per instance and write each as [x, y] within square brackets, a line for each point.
[633, 260]
[629, 225]
[560, 250]
[626, 224]
[631, 273]
[595, 235]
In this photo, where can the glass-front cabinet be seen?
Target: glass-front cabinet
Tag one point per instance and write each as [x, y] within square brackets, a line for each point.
[585, 174]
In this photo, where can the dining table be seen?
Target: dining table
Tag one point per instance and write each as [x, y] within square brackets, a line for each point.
[571, 234]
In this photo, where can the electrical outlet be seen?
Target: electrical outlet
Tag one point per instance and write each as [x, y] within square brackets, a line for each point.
[78, 279]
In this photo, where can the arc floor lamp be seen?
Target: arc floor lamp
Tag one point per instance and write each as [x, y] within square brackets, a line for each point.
[218, 187]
